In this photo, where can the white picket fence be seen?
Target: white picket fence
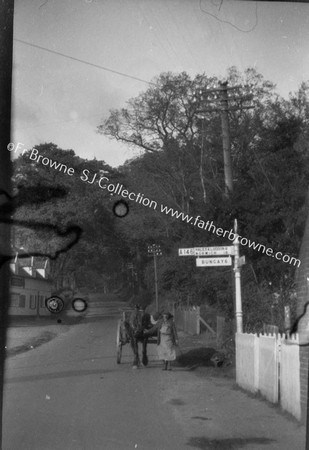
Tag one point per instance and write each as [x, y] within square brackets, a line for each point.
[270, 365]
[187, 319]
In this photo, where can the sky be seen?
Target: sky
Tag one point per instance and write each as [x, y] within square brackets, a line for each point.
[63, 100]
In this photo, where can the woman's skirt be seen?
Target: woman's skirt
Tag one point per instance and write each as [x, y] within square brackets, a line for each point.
[166, 348]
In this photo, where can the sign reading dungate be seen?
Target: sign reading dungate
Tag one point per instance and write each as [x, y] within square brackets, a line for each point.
[205, 251]
[208, 262]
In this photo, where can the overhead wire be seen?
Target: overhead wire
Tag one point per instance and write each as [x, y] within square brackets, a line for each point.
[98, 66]
[83, 62]
[123, 74]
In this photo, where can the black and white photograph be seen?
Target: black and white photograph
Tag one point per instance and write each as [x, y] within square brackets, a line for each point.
[154, 233]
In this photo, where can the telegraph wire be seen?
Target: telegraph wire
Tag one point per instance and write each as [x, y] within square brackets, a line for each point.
[85, 62]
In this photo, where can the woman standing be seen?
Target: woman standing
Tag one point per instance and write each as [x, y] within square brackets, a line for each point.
[167, 340]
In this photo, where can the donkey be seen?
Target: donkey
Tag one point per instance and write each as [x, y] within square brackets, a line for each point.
[139, 322]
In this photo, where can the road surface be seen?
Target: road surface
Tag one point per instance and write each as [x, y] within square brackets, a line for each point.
[70, 394]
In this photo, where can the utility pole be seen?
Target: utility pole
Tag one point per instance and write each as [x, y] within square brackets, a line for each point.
[237, 265]
[220, 95]
[227, 158]
[155, 250]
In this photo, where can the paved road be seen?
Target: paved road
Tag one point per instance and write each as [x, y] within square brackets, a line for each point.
[105, 306]
[70, 394]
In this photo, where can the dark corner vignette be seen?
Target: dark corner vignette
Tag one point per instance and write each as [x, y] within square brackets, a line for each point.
[6, 52]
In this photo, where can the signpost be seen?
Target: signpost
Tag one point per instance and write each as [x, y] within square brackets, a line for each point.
[208, 262]
[155, 251]
[225, 260]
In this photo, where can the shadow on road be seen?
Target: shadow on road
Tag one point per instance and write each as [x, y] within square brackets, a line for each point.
[25, 322]
[197, 357]
[57, 375]
[204, 443]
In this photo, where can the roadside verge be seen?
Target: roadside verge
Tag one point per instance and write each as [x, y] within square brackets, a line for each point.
[23, 336]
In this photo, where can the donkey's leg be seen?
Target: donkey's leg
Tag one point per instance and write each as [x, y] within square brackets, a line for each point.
[134, 346]
[138, 362]
[145, 357]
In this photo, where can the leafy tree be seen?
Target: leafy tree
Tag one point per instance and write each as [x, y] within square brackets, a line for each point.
[182, 167]
[50, 198]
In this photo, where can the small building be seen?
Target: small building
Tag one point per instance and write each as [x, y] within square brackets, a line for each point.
[30, 286]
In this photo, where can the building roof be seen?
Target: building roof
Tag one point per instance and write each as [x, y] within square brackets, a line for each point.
[30, 267]
[37, 262]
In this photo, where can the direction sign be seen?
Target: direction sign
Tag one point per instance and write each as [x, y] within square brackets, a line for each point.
[241, 261]
[205, 251]
[208, 262]
[186, 252]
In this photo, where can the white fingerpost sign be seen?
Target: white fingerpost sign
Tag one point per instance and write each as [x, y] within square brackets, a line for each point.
[206, 251]
[219, 261]
[186, 251]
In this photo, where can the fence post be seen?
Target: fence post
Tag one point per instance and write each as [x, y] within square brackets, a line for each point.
[198, 323]
[220, 330]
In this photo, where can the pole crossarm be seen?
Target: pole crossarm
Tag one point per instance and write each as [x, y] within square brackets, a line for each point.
[233, 108]
[221, 101]
[223, 86]
[154, 251]
[221, 95]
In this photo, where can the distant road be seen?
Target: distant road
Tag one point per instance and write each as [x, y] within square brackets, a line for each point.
[105, 305]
